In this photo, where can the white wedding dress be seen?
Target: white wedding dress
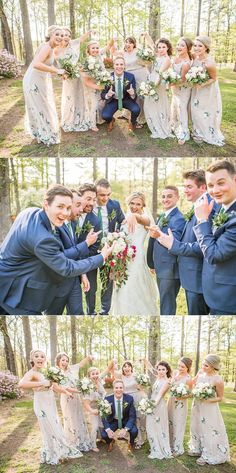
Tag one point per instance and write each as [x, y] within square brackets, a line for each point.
[139, 295]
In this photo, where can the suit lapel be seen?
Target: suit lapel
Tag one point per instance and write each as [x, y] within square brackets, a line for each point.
[45, 220]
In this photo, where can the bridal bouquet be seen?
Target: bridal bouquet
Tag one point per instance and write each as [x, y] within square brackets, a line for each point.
[197, 75]
[116, 265]
[95, 69]
[145, 54]
[203, 391]
[170, 77]
[179, 390]
[104, 408]
[72, 70]
[148, 89]
[146, 406]
[85, 386]
[53, 374]
[143, 379]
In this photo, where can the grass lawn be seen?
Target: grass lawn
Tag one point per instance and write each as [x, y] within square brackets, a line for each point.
[13, 140]
[20, 444]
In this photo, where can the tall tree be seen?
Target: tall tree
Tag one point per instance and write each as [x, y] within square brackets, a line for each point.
[27, 338]
[16, 187]
[154, 345]
[53, 337]
[72, 17]
[198, 343]
[73, 339]
[27, 32]
[5, 209]
[154, 19]
[182, 18]
[154, 188]
[58, 170]
[9, 353]
[182, 336]
[199, 16]
[5, 30]
[51, 12]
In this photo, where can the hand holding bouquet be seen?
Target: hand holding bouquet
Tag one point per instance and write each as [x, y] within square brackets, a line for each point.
[104, 408]
[71, 69]
[148, 89]
[197, 75]
[170, 77]
[203, 391]
[143, 379]
[146, 406]
[53, 374]
[85, 386]
[179, 390]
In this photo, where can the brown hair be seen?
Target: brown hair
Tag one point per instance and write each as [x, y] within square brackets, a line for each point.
[127, 363]
[132, 40]
[117, 381]
[187, 362]
[189, 45]
[103, 183]
[197, 176]
[172, 188]
[168, 44]
[166, 365]
[59, 357]
[220, 165]
[118, 57]
[87, 187]
[57, 189]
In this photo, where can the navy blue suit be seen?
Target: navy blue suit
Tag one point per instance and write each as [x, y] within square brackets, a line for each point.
[111, 105]
[218, 246]
[165, 264]
[33, 265]
[115, 218]
[190, 261]
[128, 418]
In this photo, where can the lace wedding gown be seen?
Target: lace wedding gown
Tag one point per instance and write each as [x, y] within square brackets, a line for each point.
[139, 295]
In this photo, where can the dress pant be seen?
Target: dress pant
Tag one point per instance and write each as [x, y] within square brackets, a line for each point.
[168, 289]
[91, 294]
[196, 304]
[133, 432]
[106, 299]
[112, 106]
[74, 304]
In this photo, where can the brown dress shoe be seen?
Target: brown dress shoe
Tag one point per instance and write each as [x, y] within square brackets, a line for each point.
[111, 125]
[131, 127]
[111, 445]
[130, 448]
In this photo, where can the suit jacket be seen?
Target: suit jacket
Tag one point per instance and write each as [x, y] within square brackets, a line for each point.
[33, 263]
[129, 412]
[128, 80]
[158, 256]
[218, 246]
[115, 215]
[92, 220]
[190, 257]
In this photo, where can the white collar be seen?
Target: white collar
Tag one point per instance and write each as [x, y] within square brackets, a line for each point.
[226, 207]
[167, 212]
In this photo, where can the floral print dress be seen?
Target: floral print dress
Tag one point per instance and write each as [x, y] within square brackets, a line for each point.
[208, 436]
[180, 106]
[130, 387]
[41, 120]
[94, 421]
[177, 413]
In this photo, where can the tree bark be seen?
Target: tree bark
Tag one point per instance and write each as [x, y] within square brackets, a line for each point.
[73, 339]
[182, 19]
[16, 187]
[154, 188]
[5, 30]
[154, 345]
[27, 33]
[5, 209]
[198, 344]
[199, 16]
[51, 12]
[27, 338]
[9, 353]
[72, 17]
[53, 337]
[58, 170]
[154, 19]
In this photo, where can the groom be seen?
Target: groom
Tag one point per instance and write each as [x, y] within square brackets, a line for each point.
[122, 94]
[123, 417]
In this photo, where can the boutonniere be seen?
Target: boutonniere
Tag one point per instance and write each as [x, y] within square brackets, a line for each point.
[78, 229]
[84, 229]
[220, 218]
[125, 404]
[112, 215]
[163, 222]
[188, 215]
[126, 82]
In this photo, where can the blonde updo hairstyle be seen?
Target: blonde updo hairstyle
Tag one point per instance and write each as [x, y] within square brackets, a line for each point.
[32, 353]
[51, 30]
[137, 195]
[213, 361]
[92, 368]
[204, 40]
[93, 41]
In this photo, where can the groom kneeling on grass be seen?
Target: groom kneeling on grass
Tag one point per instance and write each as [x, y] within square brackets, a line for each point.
[123, 417]
[122, 94]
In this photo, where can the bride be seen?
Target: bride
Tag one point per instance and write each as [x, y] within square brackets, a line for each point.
[139, 295]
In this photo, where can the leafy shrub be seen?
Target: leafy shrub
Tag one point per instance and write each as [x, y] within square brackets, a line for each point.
[9, 65]
[9, 386]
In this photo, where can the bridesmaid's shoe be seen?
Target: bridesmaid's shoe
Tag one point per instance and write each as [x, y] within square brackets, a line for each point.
[200, 461]
[95, 129]
[181, 142]
[192, 454]
[95, 450]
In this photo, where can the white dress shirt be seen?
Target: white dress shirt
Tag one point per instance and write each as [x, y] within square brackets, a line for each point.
[105, 221]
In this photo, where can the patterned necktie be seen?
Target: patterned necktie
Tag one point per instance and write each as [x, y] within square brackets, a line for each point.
[120, 95]
[222, 210]
[69, 226]
[100, 218]
[119, 414]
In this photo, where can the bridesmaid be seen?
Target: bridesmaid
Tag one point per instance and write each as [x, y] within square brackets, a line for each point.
[90, 404]
[157, 113]
[73, 111]
[208, 437]
[55, 446]
[206, 105]
[41, 120]
[137, 392]
[178, 408]
[181, 93]
[157, 423]
[75, 426]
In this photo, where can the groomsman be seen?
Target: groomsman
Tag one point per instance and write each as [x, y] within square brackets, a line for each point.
[217, 239]
[121, 95]
[110, 217]
[158, 257]
[32, 259]
[190, 257]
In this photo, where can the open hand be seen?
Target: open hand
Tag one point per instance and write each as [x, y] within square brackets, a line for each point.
[110, 93]
[131, 91]
[154, 231]
[106, 251]
[203, 208]
[92, 237]
[166, 240]
[85, 283]
[122, 434]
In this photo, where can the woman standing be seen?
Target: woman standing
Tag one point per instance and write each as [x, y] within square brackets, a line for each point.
[55, 445]
[157, 110]
[178, 407]
[157, 423]
[208, 437]
[75, 427]
[181, 93]
[206, 105]
[73, 110]
[41, 120]
[90, 403]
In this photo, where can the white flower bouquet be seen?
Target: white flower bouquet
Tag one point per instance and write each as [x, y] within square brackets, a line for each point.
[85, 386]
[94, 67]
[197, 75]
[104, 408]
[146, 406]
[53, 374]
[148, 89]
[170, 77]
[72, 69]
[116, 265]
[143, 379]
[145, 53]
[203, 391]
[179, 390]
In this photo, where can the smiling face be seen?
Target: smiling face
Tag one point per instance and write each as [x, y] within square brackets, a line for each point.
[77, 207]
[199, 48]
[169, 198]
[59, 210]
[161, 49]
[136, 205]
[56, 38]
[221, 186]
[63, 362]
[39, 359]
[129, 46]
[119, 66]
[88, 201]
[161, 371]
[103, 195]
[127, 369]
[192, 191]
[67, 38]
[181, 47]
[182, 368]
[118, 390]
[94, 375]
[207, 368]
[93, 49]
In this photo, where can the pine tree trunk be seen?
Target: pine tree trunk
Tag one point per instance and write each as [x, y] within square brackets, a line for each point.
[51, 12]
[72, 17]
[154, 345]
[198, 344]
[154, 19]
[5, 209]
[5, 30]
[73, 339]
[53, 337]
[9, 353]
[154, 188]
[27, 339]
[27, 33]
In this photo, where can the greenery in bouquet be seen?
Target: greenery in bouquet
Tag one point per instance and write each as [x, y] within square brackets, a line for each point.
[104, 408]
[143, 379]
[85, 386]
[93, 66]
[148, 89]
[53, 374]
[170, 77]
[9, 65]
[9, 386]
[197, 75]
[145, 53]
[116, 265]
[203, 391]
[146, 406]
[179, 390]
[72, 69]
